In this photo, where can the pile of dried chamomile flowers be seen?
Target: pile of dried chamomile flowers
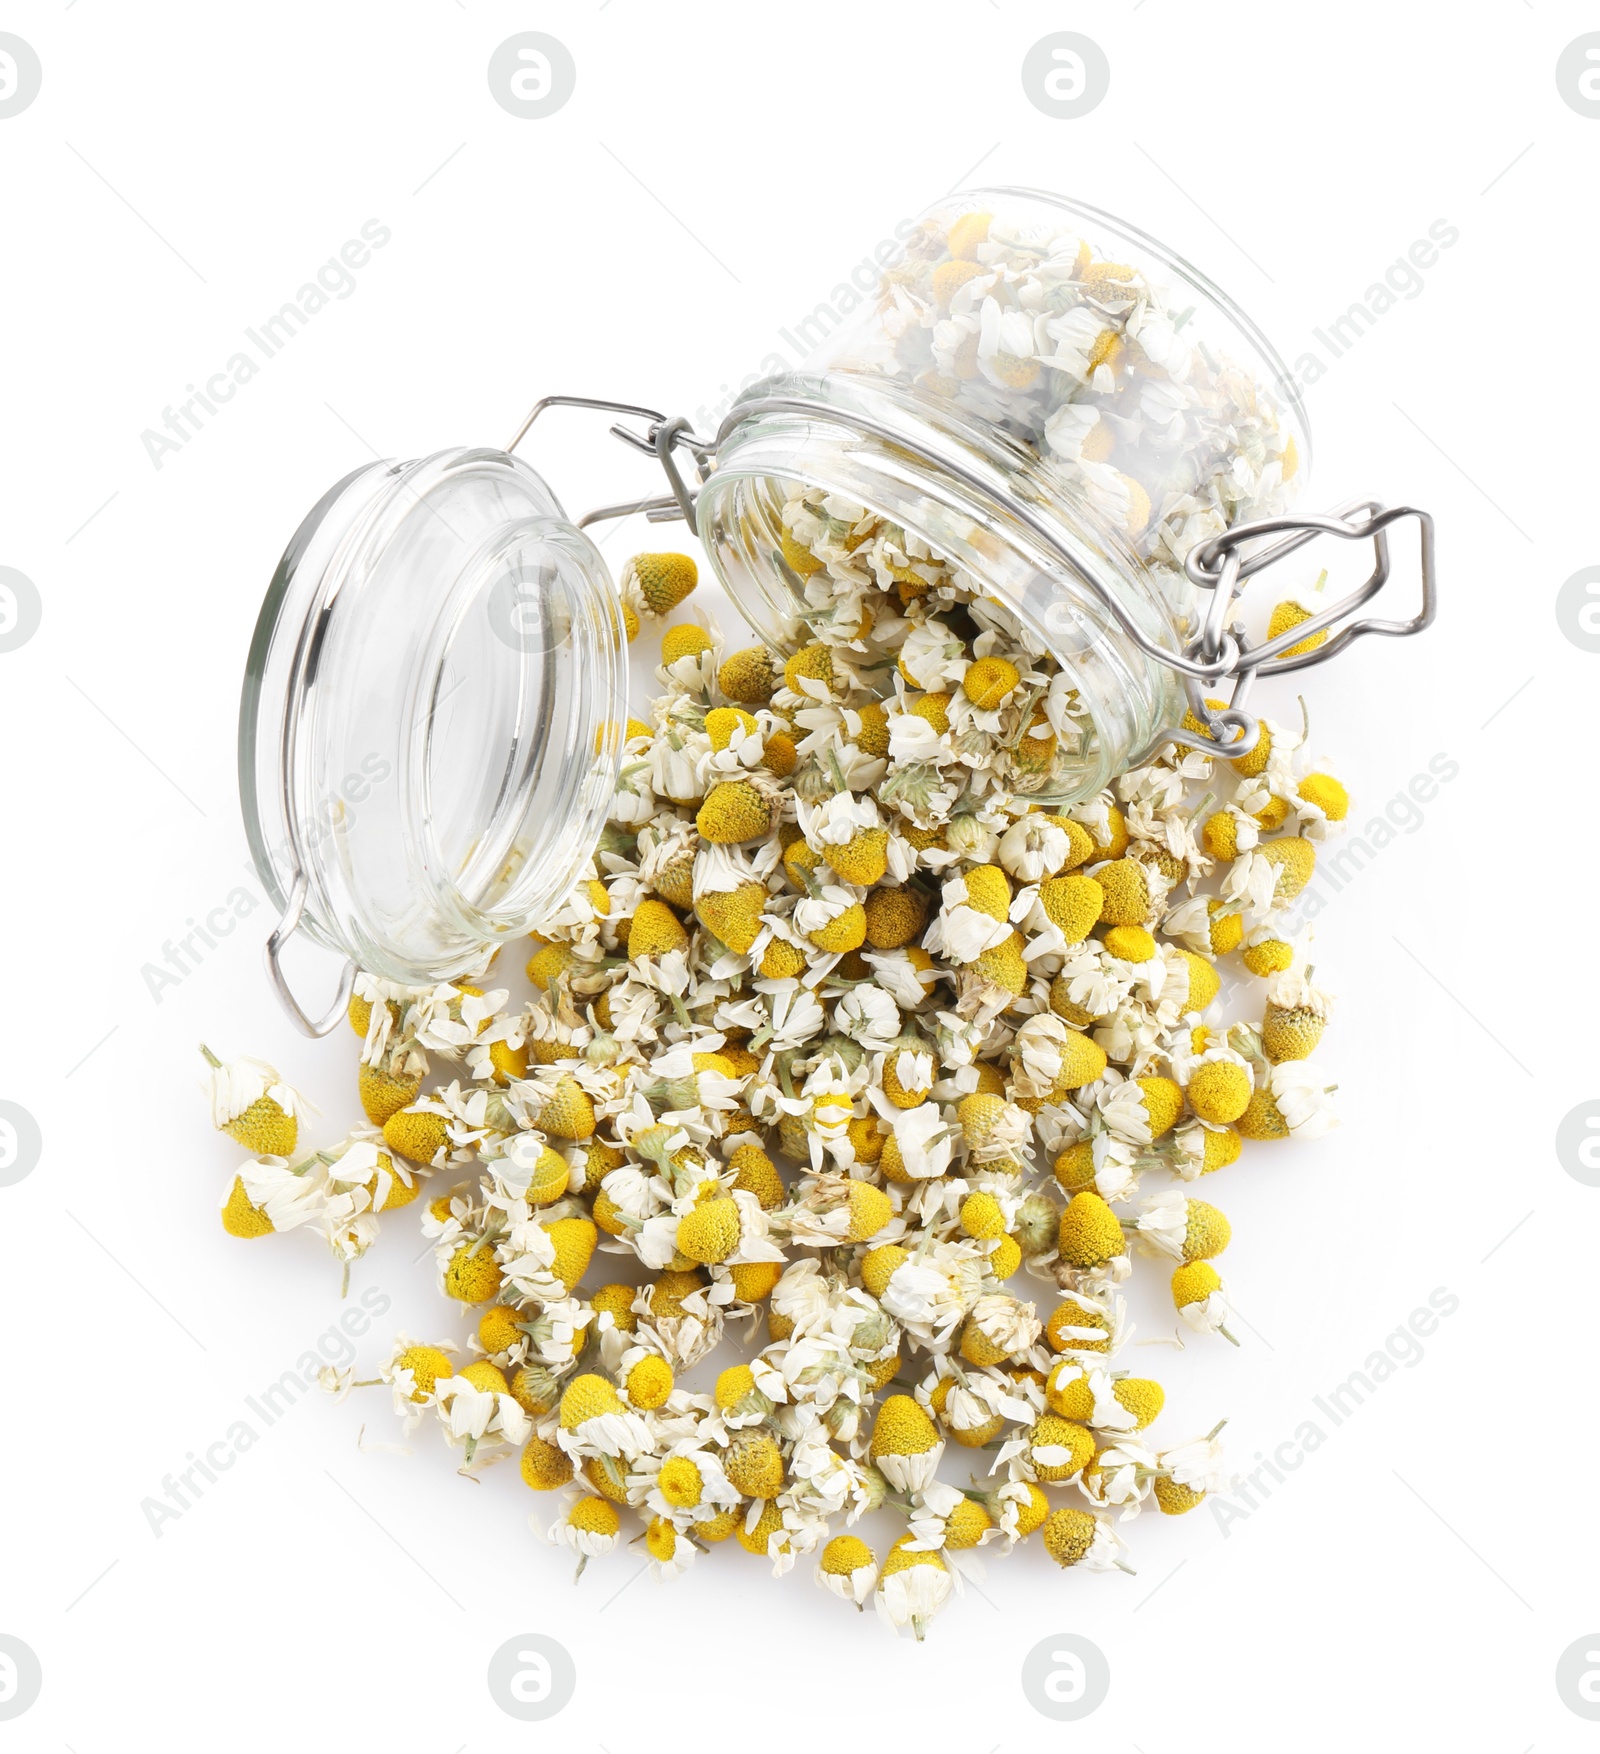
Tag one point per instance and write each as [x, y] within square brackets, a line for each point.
[854, 1056]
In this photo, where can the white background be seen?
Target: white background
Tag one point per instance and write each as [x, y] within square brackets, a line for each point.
[720, 169]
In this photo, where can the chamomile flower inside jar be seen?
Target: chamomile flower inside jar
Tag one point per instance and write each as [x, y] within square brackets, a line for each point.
[998, 470]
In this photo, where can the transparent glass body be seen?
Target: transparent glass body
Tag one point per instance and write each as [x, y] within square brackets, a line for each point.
[432, 712]
[1024, 352]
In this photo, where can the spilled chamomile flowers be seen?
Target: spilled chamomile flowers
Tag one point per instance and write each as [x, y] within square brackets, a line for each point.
[858, 1072]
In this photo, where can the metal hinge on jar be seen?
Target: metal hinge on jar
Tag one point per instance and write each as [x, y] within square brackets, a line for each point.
[663, 438]
[1220, 652]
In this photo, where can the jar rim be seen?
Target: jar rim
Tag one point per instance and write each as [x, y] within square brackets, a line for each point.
[307, 557]
[488, 787]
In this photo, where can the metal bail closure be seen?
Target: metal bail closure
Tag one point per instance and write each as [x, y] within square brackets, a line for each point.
[661, 439]
[1221, 651]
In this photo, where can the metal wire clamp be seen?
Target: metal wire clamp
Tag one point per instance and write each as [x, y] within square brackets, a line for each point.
[1218, 652]
[1223, 565]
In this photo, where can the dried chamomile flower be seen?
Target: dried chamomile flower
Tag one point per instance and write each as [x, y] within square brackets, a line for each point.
[1079, 1537]
[241, 1217]
[998, 1328]
[419, 1132]
[588, 1526]
[1219, 1089]
[269, 1194]
[253, 1105]
[479, 1412]
[1184, 1229]
[848, 1569]
[1018, 1509]
[1052, 1449]
[1265, 953]
[1295, 1017]
[1090, 1234]
[913, 1586]
[749, 676]
[687, 639]
[1322, 799]
[906, 1445]
[655, 584]
[595, 1421]
[1290, 1101]
[413, 1371]
[1198, 1149]
[544, 1466]
[851, 1036]
[1188, 1473]
[1199, 1297]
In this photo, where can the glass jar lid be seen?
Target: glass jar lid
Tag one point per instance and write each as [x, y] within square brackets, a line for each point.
[432, 716]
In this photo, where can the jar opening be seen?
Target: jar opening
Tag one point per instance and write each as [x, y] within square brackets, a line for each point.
[781, 461]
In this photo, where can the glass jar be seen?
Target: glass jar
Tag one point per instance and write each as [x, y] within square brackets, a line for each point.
[1046, 424]
[431, 717]
[1052, 404]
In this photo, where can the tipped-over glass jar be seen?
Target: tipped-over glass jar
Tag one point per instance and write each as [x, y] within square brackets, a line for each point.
[1046, 434]
[1037, 421]
[1046, 437]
